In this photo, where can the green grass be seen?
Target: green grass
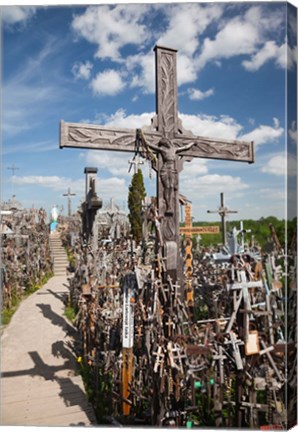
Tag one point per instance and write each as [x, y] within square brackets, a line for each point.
[7, 313]
[70, 313]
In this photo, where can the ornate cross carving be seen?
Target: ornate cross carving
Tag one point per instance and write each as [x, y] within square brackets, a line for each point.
[167, 139]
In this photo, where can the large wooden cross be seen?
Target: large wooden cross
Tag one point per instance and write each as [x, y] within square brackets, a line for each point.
[169, 141]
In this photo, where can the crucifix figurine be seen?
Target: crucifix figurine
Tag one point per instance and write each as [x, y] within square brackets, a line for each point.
[168, 171]
[172, 144]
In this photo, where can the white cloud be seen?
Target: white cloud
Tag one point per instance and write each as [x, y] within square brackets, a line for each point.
[280, 165]
[112, 27]
[276, 165]
[269, 51]
[108, 82]
[237, 37]
[185, 23]
[116, 163]
[224, 127]
[82, 70]
[112, 187]
[264, 134]
[196, 94]
[105, 187]
[120, 119]
[211, 184]
[17, 14]
[54, 182]
[186, 70]
[245, 35]
[146, 77]
[193, 168]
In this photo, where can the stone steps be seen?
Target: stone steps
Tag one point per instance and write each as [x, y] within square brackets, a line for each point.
[59, 255]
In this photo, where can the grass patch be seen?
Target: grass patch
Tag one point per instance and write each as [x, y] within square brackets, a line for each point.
[70, 313]
[7, 313]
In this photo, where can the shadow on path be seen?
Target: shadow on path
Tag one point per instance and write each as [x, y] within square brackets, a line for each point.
[71, 393]
[62, 296]
[56, 319]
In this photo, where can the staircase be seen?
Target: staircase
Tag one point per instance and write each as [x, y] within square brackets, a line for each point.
[59, 255]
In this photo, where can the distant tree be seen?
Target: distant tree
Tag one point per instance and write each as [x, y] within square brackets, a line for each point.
[136, 195]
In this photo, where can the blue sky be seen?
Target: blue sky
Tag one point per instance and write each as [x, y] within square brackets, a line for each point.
[96, 65]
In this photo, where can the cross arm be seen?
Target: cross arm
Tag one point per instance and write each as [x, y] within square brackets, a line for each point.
[213, 229]
[90, 136]
[210, 148]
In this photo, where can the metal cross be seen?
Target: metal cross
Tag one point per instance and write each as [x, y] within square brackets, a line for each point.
[223, 211]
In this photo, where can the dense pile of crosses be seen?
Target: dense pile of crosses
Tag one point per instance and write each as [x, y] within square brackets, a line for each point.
[26, 259]
[154, 359]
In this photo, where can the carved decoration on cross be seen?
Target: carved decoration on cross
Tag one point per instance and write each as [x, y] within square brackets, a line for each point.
[169, 141]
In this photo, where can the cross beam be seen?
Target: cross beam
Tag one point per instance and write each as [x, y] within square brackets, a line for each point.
[170, 142]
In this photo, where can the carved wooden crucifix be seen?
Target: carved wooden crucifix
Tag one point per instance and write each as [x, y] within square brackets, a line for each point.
[167, 139]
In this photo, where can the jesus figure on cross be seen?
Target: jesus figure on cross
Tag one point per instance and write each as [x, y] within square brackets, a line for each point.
[168, 171]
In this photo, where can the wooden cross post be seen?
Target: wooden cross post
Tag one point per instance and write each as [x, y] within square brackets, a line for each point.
[167, 139]
[69, 195]
[223, 211]
[189, 230]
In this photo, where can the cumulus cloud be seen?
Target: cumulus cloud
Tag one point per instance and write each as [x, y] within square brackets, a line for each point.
[269, 51]
[224, 127]
[106, 187]
[212, 184]
[82, 70]
[108, 82]
[112, 27]
[244, 35]
[53, 182]
[196, 94]
[116, 163]
[264, 134]
[186, 22]
[17, 14]
[280, 165]
[142, 69]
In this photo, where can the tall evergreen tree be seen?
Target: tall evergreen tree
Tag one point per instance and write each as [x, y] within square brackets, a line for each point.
[136, 195]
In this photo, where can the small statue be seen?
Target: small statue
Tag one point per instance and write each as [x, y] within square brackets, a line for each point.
[168, 171]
